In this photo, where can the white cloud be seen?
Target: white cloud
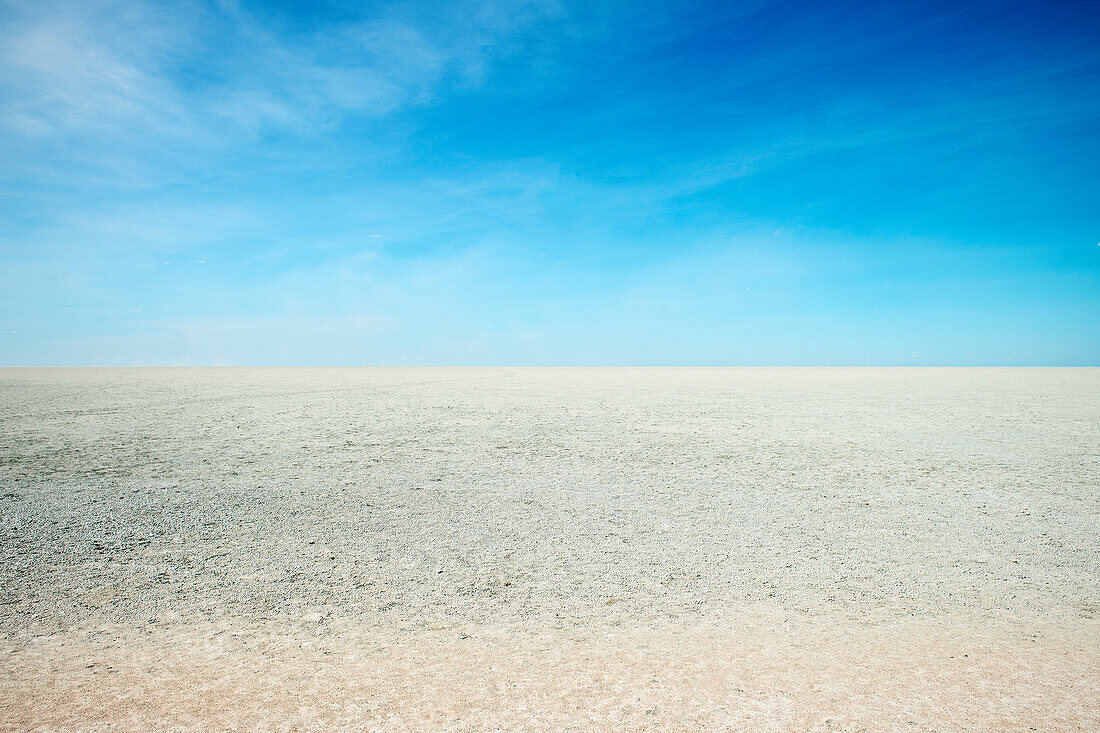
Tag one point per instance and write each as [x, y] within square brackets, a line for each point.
[207, 72]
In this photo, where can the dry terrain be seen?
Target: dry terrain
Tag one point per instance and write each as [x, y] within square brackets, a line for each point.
[550, 549]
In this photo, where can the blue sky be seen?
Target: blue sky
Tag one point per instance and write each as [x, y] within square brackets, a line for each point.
[723, 183]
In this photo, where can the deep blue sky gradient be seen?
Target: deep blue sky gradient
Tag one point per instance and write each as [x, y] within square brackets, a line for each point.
[549, 183]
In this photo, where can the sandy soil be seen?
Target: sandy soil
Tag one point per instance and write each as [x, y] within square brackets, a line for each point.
[801, 549]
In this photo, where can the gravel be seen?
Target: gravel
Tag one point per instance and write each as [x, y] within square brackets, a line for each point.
[406, 500]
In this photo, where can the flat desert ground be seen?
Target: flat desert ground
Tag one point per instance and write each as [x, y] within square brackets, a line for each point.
[550, 549]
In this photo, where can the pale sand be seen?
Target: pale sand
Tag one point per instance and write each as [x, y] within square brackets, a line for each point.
[550, 549]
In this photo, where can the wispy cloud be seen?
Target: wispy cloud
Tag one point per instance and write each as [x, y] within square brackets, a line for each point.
[118, 71]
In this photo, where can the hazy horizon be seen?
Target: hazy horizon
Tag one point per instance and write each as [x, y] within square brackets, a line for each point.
[15, 367]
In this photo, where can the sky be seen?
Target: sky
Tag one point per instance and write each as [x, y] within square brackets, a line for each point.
[549, 183]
